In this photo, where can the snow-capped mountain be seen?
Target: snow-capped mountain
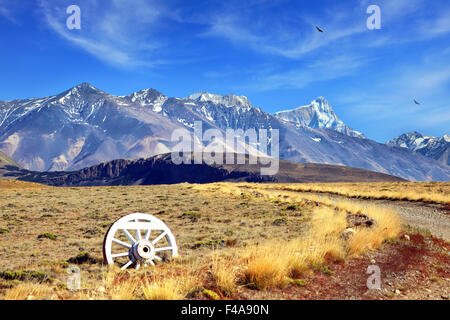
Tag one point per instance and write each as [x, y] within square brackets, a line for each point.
[318, 114]
[229, 100]
[85, 126]
[80, 127]
[148, 97]
[436, 148]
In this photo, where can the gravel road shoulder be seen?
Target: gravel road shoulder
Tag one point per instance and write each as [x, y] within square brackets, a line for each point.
[420, 215]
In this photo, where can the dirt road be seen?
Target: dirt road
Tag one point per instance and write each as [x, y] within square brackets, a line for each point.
[416, 214]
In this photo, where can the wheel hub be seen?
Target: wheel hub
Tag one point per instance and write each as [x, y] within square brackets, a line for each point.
[143, 250]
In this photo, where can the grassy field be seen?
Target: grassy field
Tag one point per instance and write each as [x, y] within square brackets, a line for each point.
[434, 192]
[235, 240]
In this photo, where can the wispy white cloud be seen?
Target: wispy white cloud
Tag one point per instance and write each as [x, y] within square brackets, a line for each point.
[120, 33]
[316, 71]
[427, 82]
[128, 33]
[295, 36]
[438, 116]
[392, 98]
[286, 38]
[393, 10]
[6, 12]
[412, 20]
[436, 26]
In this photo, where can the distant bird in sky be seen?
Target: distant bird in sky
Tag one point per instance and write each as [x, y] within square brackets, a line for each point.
[318, 29]
[415, 101]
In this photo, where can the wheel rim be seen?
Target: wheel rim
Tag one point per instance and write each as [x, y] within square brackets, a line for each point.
[138, 239]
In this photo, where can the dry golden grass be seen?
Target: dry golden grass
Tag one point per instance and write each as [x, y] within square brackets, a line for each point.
[270, 264]
[224, 274]
[434, 192]
[167, 289]
[266, 266]
[126, 291]
[170, 286]
[29, 291]
[437, 192]
[273, 235]
[326, 222]
[14, 184]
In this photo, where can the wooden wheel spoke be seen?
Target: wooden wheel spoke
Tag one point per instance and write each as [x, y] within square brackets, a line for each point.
[122, 254]
[126, 265]
[163, 249]
[138, 232]
[163, 234]
[127, 245]
[128, 235]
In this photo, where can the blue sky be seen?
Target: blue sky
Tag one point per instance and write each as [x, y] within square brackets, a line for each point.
[268, 51]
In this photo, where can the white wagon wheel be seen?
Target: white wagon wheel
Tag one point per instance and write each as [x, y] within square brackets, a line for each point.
[138, 239]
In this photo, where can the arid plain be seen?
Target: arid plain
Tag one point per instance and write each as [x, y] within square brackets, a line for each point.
[236, 241]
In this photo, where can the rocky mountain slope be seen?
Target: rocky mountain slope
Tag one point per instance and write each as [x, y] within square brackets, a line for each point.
[8, 166]
[318, 114]
[7, 161]
[436, 148]
[161, 170]
[85, 126]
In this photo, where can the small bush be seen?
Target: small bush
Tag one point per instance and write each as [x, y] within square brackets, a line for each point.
[292, 207]
[298, 282]
[47, 235]
[25, 275]
[83, 257]
[52, 209]
[279, 221]
[211, 294]
[324, 268]
[210, 244]
[63, 264]
[192, 215]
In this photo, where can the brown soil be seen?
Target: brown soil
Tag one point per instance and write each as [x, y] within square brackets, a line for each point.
[414, 269]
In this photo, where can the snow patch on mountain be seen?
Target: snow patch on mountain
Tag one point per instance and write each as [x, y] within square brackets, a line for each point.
[229, 100]
[85, 126]
[436, 148]
[318, 114]
[148, 97]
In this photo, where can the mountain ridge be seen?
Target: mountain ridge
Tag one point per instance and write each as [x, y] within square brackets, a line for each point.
[318, 114]
[84, 126]
[160, 169]
[434, 147]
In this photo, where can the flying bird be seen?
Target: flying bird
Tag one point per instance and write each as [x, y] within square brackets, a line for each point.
[318, 29]
[415, 101]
